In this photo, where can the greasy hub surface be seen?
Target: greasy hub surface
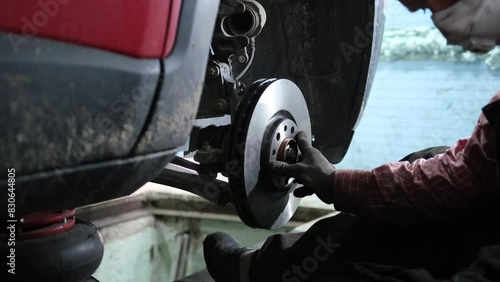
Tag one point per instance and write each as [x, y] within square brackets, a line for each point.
[267, 107]
[279, 131]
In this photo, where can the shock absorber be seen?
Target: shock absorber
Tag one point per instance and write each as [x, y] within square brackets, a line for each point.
[52, 246]
[44, 224]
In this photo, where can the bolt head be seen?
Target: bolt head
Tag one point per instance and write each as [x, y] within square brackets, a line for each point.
[242, 59]
[213, 71]
[220, 106]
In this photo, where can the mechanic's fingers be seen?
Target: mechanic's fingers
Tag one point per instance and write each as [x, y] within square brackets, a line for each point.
[302, 192]
[283, 169]
[303, 141]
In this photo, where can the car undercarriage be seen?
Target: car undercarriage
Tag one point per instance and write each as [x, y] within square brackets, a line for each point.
[88, 120]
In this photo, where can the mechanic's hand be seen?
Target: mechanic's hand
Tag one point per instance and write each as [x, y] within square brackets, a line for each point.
[314, 172]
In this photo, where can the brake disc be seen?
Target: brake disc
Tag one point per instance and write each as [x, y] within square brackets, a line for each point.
[266, 120]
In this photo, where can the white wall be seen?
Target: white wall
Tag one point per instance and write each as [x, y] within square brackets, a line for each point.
[418, 104]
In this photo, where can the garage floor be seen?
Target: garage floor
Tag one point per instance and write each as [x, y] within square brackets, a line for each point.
[157, 233]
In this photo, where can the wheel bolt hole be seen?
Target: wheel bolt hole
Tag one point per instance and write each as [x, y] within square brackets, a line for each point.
[274, 152]
[293, 130]
[286, 128]
[278, 137]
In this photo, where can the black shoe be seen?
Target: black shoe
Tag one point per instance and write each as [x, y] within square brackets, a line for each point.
[222, 256]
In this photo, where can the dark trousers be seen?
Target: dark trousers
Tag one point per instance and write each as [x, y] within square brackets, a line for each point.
[349, 248]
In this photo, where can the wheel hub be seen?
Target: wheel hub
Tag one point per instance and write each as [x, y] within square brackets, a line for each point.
[267, 119]
[279, 134]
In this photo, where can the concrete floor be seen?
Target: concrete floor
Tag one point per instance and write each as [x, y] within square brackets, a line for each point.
[162, 241]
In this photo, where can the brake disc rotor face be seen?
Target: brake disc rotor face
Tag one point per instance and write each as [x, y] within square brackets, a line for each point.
[268, 117]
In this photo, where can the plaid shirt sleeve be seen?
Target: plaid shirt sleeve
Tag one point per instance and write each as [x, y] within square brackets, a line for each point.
[462, 180]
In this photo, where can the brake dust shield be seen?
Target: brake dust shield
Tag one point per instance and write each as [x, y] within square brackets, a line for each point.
[267, 119]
